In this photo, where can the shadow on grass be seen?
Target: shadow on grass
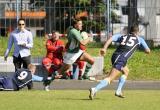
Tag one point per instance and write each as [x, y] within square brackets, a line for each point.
[76, 99]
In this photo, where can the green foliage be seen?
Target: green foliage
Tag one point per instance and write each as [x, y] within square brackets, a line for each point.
[39, 48]
[115, 17]
[101, 7]
[78, 1]
[93, 25]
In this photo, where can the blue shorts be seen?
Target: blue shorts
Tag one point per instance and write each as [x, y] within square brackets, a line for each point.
[119, 61]
[6, 83]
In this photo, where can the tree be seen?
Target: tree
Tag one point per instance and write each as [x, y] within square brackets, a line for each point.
[61, 12]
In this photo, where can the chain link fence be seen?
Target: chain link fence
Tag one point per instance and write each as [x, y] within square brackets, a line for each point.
[100, 16]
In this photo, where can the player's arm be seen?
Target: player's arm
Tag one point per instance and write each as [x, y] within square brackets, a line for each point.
[144, 44]
[106, 45]
[30, 85]
[79, 37]
[108, 42]
[50, 47]
[37, 78]
[29, 44]
[60, 47]
[85, 41]
[10, 43]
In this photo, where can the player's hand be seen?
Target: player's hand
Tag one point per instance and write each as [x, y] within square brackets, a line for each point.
[58, 76]
[102, 52]
[60, 49]
[23, 44]
[89, 35]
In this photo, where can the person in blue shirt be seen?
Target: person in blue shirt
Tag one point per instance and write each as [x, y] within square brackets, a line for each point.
[20, 79]
[127, 46]
[23, 42]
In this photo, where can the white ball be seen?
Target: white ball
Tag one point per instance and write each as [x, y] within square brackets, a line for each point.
[84, 35]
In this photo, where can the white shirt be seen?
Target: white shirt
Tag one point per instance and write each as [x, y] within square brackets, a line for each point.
[18, 37]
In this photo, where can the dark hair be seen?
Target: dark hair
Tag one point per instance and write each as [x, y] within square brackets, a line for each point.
[134, 28]
[21, 19]
[75, 21]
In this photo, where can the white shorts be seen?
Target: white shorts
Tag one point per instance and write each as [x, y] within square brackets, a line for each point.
[70, 58]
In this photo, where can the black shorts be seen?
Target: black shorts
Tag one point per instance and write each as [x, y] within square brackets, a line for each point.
[119, 61]
[7, 84]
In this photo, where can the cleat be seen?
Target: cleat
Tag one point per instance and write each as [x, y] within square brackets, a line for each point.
[80, 78]
[85, 76]
[92, 78]
[46, 84]
[46, 88]
[92, 93]
[120, 95]
[58, 76]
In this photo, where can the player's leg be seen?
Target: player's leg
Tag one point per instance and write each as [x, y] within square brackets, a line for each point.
[26, 61]
[74, 70]
[90, 61]
[81, 66]
[57, 63]
[113, 74]
[63, 70]
[121, 82]
[103, 83]
[7, 84]
[1, 82]
[47, 63]
[68, 60]
[17, 62]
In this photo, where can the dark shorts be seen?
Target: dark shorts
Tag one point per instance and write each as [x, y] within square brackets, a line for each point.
[6, 83]
[18, 61]
[118, 61]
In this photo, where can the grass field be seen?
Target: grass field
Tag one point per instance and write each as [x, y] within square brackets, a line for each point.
[78, 100]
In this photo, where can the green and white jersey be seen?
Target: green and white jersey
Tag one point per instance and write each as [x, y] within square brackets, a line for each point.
[74, 38]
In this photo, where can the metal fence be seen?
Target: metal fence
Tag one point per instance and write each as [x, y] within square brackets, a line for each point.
[100, 16]
[61, 14]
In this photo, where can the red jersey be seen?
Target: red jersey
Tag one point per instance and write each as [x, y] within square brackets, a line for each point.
[54, 49]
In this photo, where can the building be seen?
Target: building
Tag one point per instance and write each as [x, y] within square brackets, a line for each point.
[33, 11]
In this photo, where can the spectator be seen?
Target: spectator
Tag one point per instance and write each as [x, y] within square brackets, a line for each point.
[54, 57]
[23, 42]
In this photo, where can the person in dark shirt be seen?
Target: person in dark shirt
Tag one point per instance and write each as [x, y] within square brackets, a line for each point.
[20, 79]
[127, 46]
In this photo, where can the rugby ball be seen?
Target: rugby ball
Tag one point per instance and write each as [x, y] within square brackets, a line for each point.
[84, 35]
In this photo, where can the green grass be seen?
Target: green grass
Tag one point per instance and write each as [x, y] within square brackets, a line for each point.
[142, 66]
[78, 100]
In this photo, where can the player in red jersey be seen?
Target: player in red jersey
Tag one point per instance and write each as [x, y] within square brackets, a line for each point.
[54, 57]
